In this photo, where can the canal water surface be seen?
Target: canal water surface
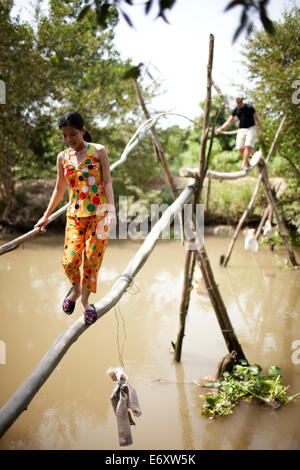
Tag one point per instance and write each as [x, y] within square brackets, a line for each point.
[73, 410]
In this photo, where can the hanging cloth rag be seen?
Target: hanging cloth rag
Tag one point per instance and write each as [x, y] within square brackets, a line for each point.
[123, 399]
[250, 241]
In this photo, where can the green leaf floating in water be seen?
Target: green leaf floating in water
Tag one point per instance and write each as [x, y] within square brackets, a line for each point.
[249, 383]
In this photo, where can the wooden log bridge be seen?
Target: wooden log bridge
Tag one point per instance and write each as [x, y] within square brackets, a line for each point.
[218, 175]
[23, 396]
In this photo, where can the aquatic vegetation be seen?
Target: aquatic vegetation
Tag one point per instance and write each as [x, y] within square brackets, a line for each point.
[245, 382]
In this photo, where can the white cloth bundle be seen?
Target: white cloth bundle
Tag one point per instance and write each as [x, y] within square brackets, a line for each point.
[123, 399]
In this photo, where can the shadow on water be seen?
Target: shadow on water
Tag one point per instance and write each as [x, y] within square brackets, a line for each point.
[73, 411]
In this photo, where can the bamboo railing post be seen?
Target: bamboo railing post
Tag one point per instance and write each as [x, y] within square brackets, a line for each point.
[225, 259]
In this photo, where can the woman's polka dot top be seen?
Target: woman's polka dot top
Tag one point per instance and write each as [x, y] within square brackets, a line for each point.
[86, 192]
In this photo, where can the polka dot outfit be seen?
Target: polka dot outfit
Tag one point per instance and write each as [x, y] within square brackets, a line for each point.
[86, 193]
[86, 232]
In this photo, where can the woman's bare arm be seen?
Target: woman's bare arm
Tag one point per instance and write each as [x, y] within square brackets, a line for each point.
[57, 194]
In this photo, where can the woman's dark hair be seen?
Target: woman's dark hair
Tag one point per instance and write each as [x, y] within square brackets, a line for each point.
[74, 119]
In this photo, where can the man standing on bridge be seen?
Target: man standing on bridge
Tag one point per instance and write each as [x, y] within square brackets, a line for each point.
[246, 134]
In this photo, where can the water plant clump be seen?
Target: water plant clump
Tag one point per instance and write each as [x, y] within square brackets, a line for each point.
[245, 382]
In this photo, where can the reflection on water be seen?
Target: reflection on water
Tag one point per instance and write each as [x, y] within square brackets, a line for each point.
[73, 410]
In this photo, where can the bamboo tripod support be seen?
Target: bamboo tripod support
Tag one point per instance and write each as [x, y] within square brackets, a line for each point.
[263, 178]
[199, 256]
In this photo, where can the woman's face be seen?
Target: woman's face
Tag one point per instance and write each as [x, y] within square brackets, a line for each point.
[72, 136]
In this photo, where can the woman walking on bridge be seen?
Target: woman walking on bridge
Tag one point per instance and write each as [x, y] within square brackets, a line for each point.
[90, 214]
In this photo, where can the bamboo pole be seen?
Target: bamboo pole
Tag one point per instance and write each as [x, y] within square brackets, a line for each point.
[262, 222]
[281, 225]
[202, 162]
[13, 244]
[156, 142]
[218, 175]
[133, 142]
[267, 214]
[199, 181]
[25, 393]
[207, 195]
[189, 265]
[225, 259]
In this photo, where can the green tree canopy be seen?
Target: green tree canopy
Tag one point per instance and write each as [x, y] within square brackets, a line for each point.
[50, 67]
[274, 68]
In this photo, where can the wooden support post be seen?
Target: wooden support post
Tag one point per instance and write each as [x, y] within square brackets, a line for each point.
[268, 214]
[207, 195]
[185, 299]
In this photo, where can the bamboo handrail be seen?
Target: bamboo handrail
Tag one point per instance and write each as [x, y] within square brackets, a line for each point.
[192, 172]
[136, 138]
[133, 142]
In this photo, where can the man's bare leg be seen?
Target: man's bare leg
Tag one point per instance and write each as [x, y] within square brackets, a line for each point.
[246, 152]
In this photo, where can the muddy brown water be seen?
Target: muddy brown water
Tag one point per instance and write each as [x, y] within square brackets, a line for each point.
[73, 411]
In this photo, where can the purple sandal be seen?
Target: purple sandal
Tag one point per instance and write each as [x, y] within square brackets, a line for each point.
[90, 315]
[68, 304]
